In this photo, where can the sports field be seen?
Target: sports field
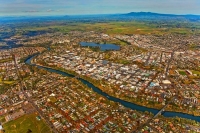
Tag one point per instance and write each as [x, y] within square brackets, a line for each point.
[25, 123]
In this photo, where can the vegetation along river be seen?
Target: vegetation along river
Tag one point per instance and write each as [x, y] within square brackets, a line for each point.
[122, 102]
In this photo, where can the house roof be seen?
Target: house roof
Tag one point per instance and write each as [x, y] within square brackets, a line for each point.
[1, 127]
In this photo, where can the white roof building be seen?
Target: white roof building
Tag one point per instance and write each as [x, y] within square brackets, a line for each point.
[1, 128]
[166, 82]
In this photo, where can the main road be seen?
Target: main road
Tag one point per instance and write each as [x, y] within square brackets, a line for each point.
[111, 98]
[22, 85]
[159, 112]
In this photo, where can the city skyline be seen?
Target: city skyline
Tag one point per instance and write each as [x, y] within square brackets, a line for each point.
[81, 7]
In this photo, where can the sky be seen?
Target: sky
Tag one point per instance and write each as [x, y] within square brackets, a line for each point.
[81, 7]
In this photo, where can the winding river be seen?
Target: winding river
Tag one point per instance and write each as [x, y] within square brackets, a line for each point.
[122, 102]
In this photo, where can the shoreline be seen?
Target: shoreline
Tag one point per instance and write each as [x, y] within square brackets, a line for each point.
[73, 74]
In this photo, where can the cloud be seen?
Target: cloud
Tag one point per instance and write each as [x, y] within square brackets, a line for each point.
[98, 6]
[31, 11]
[49, 10]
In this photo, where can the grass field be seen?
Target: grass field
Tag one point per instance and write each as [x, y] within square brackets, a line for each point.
[22, 124]
[196, 72]
[182, 72]
[133, 27]
[5, 60]
[6, 82]
[2, 119]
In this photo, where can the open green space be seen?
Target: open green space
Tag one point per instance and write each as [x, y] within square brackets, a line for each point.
[25, 123]
[182, 72]
[196, 72]
[6, 82]
[132, 27]
[2, 119]
[4, 85]
[52, 99]
[5, 60]
[2, 88]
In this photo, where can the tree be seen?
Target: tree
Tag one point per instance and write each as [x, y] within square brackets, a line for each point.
[29, 131]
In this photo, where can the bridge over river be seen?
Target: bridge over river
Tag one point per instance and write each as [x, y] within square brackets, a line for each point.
[159, 112]
[133, 106]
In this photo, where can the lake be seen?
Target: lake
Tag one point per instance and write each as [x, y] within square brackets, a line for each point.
[103, 47]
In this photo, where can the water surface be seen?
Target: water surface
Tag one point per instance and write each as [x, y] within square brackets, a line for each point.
[111, 98]
[103, 47]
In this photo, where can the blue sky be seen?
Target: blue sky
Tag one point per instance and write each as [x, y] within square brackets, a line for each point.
[78, 7]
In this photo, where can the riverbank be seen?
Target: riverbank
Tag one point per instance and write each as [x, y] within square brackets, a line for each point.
[109, 90]
[104, 87]
[94, 85]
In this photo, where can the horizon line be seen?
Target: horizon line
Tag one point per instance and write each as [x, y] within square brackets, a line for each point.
[57, 15]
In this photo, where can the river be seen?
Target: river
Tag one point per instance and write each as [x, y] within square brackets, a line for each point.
[122, 102]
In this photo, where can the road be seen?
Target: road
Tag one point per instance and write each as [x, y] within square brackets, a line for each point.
[22, 85]
[159, 112]
[147, 60]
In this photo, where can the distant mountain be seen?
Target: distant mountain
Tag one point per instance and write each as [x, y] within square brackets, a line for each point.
[161, 16]
[142, 16]
[147, 14]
